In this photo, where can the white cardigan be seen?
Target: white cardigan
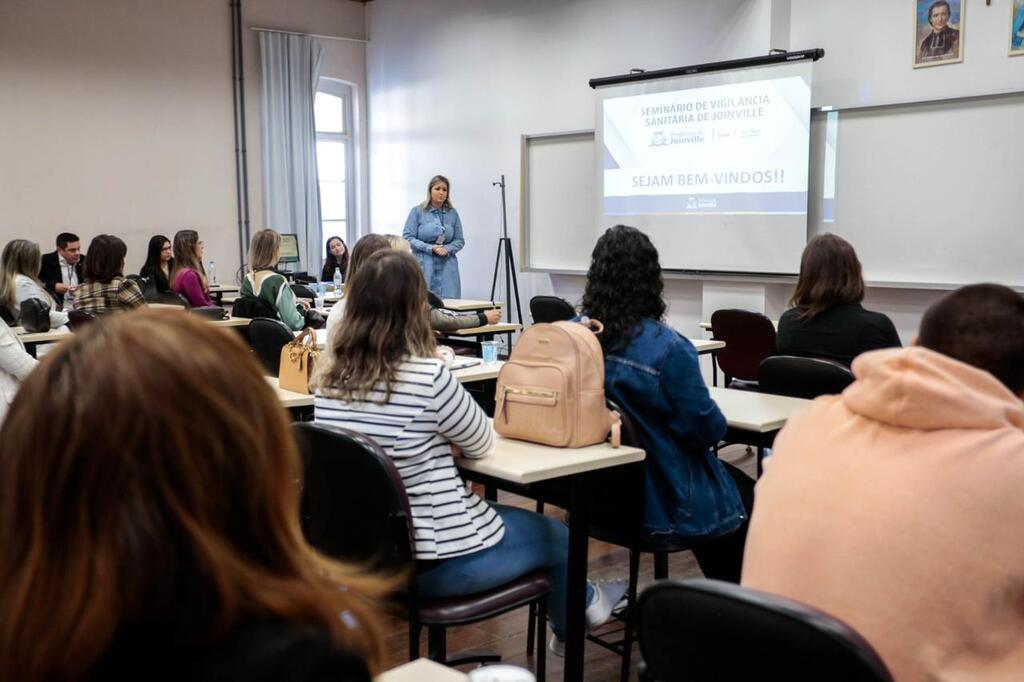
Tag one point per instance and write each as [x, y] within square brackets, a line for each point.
[15, 365]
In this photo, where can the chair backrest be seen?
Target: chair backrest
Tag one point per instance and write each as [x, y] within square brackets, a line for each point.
[79, 318]
[707, 629]
[172, 298]
[267, 337]
[551, 309]
[252, 307]
[354, 505]
[803, 377]
[749, 338]
[302, 291]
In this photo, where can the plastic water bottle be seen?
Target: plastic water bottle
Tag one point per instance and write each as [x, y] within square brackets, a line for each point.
[338, 280]
[211, 272]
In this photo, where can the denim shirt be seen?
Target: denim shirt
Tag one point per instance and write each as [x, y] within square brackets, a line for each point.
[422, 229]
[656, 380]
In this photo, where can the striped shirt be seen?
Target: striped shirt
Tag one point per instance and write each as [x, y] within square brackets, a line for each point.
[428, 410]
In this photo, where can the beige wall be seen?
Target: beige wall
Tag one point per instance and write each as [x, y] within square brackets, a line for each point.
[116, 116]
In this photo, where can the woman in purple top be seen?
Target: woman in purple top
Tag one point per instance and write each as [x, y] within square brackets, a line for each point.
[189, 278]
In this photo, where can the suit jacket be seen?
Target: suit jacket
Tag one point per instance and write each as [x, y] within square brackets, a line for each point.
[49, 273]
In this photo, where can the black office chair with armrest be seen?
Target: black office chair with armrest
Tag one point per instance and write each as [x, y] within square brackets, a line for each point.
[171, 298]
[617, 517]
[355, 508]
[749, 338]
[267, 337]
[303, 291]
[551, 309]
[702, 629]
[801, 377]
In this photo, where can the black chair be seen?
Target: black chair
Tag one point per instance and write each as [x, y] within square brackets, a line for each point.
[800, 377]
[355, 508]
[617, 517]
[710, 630]
[80, 318]
[749, 338]
[302, 291]
[172, 298]
[267, 337]
[551, 309]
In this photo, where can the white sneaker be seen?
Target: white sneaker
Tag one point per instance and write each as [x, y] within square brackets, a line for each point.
[556, 646]
[606, 596]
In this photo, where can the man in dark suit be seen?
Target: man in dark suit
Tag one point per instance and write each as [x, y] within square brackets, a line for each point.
[61, 271]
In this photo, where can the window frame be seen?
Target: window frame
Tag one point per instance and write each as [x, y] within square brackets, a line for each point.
[346, 91]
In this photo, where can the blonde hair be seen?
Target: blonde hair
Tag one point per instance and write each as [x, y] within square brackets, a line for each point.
[263, 250]
[438, 180]
[20, 257]
[398, 243]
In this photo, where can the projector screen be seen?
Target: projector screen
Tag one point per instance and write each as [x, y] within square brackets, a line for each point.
[713, 167]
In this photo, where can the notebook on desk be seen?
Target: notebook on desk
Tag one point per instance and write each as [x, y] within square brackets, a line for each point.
[462, 362]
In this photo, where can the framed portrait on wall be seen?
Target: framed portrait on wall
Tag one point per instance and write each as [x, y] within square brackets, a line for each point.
[938, 32]
[1017, 27]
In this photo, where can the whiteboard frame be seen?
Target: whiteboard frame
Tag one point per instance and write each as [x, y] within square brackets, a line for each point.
[524, 193]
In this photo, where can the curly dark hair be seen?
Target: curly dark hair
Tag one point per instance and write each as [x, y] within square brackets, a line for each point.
[624, 285]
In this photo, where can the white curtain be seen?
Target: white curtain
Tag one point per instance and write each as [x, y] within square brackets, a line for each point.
[290, 70]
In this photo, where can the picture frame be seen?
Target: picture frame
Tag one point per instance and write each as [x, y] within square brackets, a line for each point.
[1016, 28]
[938, 32]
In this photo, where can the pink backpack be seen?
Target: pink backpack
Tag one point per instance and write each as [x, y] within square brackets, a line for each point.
[551, 390]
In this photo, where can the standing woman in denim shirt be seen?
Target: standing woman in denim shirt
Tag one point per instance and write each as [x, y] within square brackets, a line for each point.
[652, 373]
[434, 230]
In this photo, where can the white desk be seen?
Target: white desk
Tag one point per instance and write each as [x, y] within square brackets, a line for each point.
[517, 461]
[707, 345]
[514, 464]
[422, 670]
[756, 412]
[706, 326]
[231, 322]
[59, 334]
[469, 305]
[488, 330]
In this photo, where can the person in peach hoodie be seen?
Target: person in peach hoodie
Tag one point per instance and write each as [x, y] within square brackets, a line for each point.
[898, 506]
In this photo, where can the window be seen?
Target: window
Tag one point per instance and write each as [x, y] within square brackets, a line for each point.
[335, 154]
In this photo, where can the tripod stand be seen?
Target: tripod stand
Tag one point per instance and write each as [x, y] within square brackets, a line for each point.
[505, 249]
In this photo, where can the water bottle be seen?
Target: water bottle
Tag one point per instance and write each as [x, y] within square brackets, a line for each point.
[211, 272]
[338, 280]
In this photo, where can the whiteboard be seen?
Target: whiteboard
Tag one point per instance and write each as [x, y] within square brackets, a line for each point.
[930, 195]
[558, 226]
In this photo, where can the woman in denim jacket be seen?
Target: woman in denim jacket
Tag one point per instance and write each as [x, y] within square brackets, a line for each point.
[652, 373]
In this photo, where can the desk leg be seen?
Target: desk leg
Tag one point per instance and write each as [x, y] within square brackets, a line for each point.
[714, 369]
[576, 592]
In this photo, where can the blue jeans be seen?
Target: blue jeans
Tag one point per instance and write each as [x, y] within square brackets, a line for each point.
[531, 541]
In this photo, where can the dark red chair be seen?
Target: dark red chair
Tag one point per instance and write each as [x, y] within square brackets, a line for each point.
[749, 338]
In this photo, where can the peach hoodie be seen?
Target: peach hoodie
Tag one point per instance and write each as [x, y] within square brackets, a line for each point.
[898, 507]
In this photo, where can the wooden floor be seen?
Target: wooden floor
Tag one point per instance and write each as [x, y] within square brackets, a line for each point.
[506, 635]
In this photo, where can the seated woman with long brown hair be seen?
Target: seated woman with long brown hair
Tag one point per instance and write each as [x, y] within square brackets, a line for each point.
[155, 534]
[827, 319]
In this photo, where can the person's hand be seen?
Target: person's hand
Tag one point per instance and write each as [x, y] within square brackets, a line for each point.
[440, 250]
[493, 316]
[60, 288]
[73, 288]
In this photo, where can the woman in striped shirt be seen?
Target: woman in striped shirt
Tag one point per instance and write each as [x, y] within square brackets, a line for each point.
[380, 377]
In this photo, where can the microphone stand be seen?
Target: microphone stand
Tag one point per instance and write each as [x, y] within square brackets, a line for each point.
[505, 249]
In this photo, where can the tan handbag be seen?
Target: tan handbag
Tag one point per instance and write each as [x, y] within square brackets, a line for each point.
[551, 390]
[298, 358]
